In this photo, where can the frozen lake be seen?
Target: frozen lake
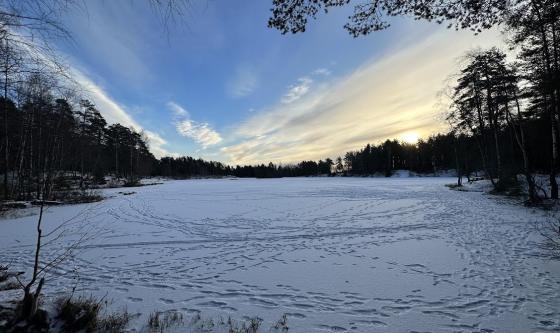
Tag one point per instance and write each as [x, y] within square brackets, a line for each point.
[334, 254]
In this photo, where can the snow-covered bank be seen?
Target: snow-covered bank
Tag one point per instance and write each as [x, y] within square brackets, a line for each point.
[334, 254]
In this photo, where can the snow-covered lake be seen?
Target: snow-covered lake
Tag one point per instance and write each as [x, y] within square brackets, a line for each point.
[334, 254]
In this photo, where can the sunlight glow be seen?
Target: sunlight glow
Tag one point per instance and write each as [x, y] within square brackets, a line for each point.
[410, 137]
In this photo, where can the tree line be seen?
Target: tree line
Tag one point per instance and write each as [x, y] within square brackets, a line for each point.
[187, 167]
[438, 152]
[49, 142]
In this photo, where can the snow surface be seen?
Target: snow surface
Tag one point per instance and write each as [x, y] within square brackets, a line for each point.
[334, 254]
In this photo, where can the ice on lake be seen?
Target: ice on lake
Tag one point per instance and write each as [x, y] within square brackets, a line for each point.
[334, 254]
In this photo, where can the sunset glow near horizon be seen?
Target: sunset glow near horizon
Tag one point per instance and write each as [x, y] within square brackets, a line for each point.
[225, 87]
[410, 137]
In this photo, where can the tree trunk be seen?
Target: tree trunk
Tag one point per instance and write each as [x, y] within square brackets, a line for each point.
[30, 301]
[481, 138]
[522, 143]
[484, 164]
[554, 109]
[6, 136]
[116, 161]
[493, 119]
[82, 150]
[457, 165]
[554, 162]
[498, 155]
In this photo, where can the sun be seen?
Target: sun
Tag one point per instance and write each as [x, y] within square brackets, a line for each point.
[410, 137]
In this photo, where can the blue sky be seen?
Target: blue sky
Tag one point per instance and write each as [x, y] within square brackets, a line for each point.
[219, 84]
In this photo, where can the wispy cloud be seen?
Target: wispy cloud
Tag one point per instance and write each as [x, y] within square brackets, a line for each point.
[243, 83]
[322, 71]
[298, 90]
[200, 132]
[384, 98]
[177, 110]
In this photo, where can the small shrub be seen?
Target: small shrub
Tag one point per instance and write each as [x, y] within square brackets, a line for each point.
[132, 183]
[160, 321]
[550, 231]
[252, 326]
[114, 322]
[78, 314]
[84, 314]
[78, 196]
[508, 185]
[63, 183]
[114, 183]
[99, 177]
[282, 323]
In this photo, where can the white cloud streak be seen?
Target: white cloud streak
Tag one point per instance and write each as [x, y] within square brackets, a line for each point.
[200, 132]
[298, 90]
[177, 110]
